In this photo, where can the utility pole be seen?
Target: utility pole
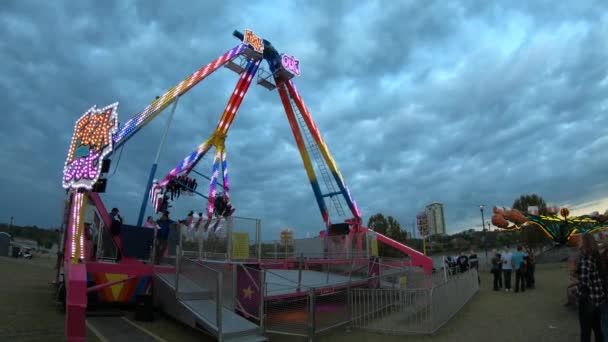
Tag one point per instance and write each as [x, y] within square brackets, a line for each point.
[483, 229]
[10, 225]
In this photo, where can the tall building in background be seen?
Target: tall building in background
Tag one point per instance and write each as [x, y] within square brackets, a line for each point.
[435, 218]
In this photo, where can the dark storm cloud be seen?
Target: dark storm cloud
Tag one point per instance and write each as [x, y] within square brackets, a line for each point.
[456, 102]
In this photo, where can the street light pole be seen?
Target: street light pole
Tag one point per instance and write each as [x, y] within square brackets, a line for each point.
[483, 226]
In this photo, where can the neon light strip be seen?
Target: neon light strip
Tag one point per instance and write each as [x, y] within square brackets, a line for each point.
[76, 227]
[82, 211]
[323, 148]
[213, 182]
[546, 231]
[226, 120]
[225, 175]
[239, 97]
[231, 106]
[141, 119]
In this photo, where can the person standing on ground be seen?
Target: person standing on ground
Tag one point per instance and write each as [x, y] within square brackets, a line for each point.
[603, 250]
[463, 262]
[162, 236]
[519, 265]
[496, 270]
[507, 267]
[590, 289]
[474, 262]
[530, 268]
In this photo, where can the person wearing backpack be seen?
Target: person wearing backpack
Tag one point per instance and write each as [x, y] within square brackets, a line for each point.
[590, 290]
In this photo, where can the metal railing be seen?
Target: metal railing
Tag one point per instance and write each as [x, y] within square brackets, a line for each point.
[317, 308]
[398, 311]
[378, 294]
[206, 279]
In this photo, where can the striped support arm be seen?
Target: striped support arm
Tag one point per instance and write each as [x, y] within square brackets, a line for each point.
[312, 177]
[293, 92]
[213, 182]
[134, 124]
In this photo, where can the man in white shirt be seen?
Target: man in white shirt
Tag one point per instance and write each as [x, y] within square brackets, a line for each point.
[507, 267]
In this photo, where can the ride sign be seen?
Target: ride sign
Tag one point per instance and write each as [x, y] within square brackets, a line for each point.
[254, 41]
[291, 64]
[91, 142]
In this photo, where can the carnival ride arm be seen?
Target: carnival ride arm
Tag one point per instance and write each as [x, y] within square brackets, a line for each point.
[224, 124]
[297, 98]
[133, 125]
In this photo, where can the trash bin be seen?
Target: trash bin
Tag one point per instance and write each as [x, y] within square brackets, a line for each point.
[144, 308]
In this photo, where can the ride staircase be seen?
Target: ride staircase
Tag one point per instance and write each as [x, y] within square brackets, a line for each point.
[313, 150]
[195, 298]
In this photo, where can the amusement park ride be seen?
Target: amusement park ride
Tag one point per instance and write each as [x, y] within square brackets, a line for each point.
[98, 134]
[561, 230]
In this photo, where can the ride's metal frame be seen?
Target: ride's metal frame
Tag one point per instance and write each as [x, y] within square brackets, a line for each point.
[253, 50]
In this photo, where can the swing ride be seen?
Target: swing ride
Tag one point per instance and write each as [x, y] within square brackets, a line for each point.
[83, 273]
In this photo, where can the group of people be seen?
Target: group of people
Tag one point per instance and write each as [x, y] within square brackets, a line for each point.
[462, 262]
[222, 209]
[176, 185]
[521, 262]
[591, 289]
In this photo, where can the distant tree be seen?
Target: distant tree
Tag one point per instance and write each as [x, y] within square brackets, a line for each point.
[378, 223]
[390, 227]
[532, 235]
[524, 201]
[394, 231]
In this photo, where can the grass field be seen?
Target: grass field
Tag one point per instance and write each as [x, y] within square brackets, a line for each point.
[29, 313]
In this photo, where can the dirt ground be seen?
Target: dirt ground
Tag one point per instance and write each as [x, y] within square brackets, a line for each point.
[29, 313]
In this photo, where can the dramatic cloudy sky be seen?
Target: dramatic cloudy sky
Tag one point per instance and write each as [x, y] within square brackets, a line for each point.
[419, 101]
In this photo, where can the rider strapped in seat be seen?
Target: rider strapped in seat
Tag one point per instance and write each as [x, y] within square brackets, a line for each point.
[222, 205]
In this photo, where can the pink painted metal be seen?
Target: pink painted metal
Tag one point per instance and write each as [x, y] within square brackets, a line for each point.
[418, 259]
[76, 301]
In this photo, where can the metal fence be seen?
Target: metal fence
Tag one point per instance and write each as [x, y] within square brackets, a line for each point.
[319, 308]
[411, 311]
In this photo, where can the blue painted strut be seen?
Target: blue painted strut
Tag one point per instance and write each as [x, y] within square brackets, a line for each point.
[144, 202]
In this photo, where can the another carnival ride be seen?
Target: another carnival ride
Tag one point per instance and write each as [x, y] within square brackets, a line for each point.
[561, 230]
[230, 293]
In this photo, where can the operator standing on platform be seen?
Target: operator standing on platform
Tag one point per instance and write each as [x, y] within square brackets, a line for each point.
[162, 235]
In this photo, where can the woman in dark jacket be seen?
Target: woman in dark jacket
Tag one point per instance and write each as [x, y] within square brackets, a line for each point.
[497, 271]
[590, 290]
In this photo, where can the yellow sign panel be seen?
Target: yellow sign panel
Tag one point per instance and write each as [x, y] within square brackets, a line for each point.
[374, 247]
[240, 245]
[117, 287]
[403, 282]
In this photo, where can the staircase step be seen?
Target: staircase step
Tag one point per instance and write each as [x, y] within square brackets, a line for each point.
[232, 322]
[248, 338]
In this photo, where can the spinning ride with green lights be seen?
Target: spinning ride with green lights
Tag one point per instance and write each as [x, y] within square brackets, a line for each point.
[558, 227]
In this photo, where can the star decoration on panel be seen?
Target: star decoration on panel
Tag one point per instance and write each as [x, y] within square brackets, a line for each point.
[247, 292]
[91, 142]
